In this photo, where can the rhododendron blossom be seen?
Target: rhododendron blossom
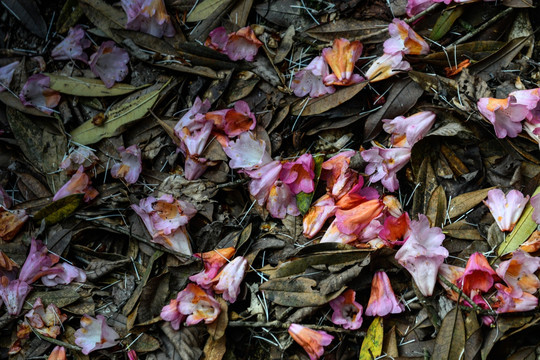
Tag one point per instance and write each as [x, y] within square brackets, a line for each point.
[396, 230]
[109, 63]
[148, 16]
[95, 334]
[131, 166]
[281, 201]
[333, 234]
[36, 93]
[172, 314]
[58, 353]
[341, 57]
[382, 300]
[310, 79]
[478, 275]
[262, 180]
[505, 115]
[78, 184]
[506, 209]
[347, 312]
[385, 163]
[406, 131]
[299, 174]
[311, 340]
[404, 39]
[356, 219]
[66, 275]
[197, 305]
[47, 321]
[6, 74]
[386, 66]
[417, 6]
[230, 279]
[247, 152]
[217, 39]
[452, 274]
[233, 121]
[213, 261]
[531, 99]
[337, 174]
[518, 273]
[79, 156]
[508, 301]
[13, 294]
[72, 47]
[422, 254]
[38, 263]
[240, 45]
[320, 211]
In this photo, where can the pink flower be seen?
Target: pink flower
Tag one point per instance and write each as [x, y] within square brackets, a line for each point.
[347, 311]
[506, 209]
[36, 93]
[109, 63]
[333, 234]
[58, 353]
[396, 230]
[242, 45]
[505, 115]
[341, 57]
[13, 294]
[262, 180]
[508, 301]
[386, 66]
[72, 47]
[317, 215]
[148, 16]
[95, 334]
[197, 305]
[417, 6]
[172, 314]
[165, 220]
[406, 131]
[312, 341]
[518, 273]
[478, 275]
[382, 300]
[385, 163]
[38, 263]
[78, 184]
[131, 166]
[48, 321]
[233, 121]
[67, 274]
[310, 79]
[217, 39]
[281, 201]
[79, 156]
[531, 99]
[404, 39]
[371, 232]
[535, 203]
[132, 355]
[339, 178]
[247, 152]
[357, 195]
[213, 261]
[356, 219]
[6, 74]
[422, 254]
[11, 222]
[299, 174]
[230, 279]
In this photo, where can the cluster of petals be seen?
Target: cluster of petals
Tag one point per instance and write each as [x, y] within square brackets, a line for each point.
[311, 340]
[78, 184]
[109, 63]
[130, 166]
[11, 222]
[407, 131]
[518, 273]
[506, 209]
[37, 93]
[73, 45]
[233, 121]
[395, 230]
[213, 262]
[404, 39]
[148, 16]
[192, 305]
[310, 79]
[95, 334]
[6, 75]
[239, 45]
[79, 156]
[165, 219]
[347, 312]
[382, 300]
[423, 253]
[46, 321]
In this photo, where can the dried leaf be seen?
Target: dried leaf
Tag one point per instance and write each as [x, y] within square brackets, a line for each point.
[29, 14]
[204, 9]
[476, 50]
[59, 210]
[60, 298]
[373, 342]
[80, 86]
[285, 46]
[187, 341]
[296, 292]
[153, 296]
[218, 327]
[145, 343]
[215, 349]
[502, 325]
[130, 305]
[436, 210]
[450, 341]
[14, 102]
[284, 13]
[104, 16]
[464, 202]
[100, 267]
[368, 31]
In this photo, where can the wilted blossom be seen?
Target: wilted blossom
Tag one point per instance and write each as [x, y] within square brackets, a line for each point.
[386, 66]
[422, 254]
[333, 234]
[165, 219]
[172, 314]
[518, 273]
[38, 263]
[353, 221]
[78, 184]
[13, 294]
[95, 334]
[281, 201]
[299, 174]
[347, 312]
[416, 6]
[6, 74]
[247, 152]
[342, 57]
[131, 166]
[406, 131]
[148, 16]
[72, 47]
[66, 275]
[478, 275]
[36, 93]
[506, 209]
[385, 163]
[452, 274]
[11, 222]
[79, 156]
[310, 79]
[242, 45]
[337, 174]
[197, 305]
[213, 261]
[58, 353]
[233, 121]
[217, 39]
[508, 301]
[320, 211]
[404, 39]
[47, 321]
[382, 300]
[531, 99]
[311, 340]
[109, 63]
[230, 279]
[262, 180]
[505, 115]
[395, 230]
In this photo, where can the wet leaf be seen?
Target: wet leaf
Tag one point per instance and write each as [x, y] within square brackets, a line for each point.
[80, 86]
[373, 342]
[445, 21]
[59, 210]
[464, 202]
[368, 31]
[450, 341]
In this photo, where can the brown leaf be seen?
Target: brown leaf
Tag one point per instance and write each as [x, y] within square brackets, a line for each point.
[153, 296]
[450, 341]
[100, 267]
[29, 14]
[187, 341]
[296, 291]
[436, 210]
[215, 349]
[130, 305]
[218, 327]
[476, 50]
[464, 202]
[368, 31]
[284, 13]
[502, 325]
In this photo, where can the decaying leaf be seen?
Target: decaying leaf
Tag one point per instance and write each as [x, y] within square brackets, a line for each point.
[450, 341]
[373, 342]
[60, 209]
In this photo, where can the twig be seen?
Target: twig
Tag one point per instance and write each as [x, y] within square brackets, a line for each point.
[474, 306]
[482, 27]
[281, 325]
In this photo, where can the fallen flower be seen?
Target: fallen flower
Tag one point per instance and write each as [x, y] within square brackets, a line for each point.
[396, 230]
[281, 201]
[423, 253]
[518, 273]
[262, 180]
[172, 314]
[386, 66]
[310, 79]
[320, 211]
[38, 263]
[58, 353]
[95, 334]
[131, 166]
[230, 279]
[342, 57]
[6, 75]
[217, 39]
[247, 152]
[417, 6]
[333, 234]
[452, 274]
[78, 184]
[66, 275]
[197, 305]
[13, 294]
[385, 163]
[11, 222]
[299, 174]
[407, 131]
[382, 300]
[356, 219]
[36, 93]
[72, 47]
[478, 275]
[505, 115]
[506, 209]
[79, 156]
[48, 321]
[531, 99]
[148, 16]
[213, 261]
[312, 341]
[404, 39]
[337, 174]
[233, 121]
[109, 63]
[347, 312]
[507, 301]
[132, 355]
[242, 45]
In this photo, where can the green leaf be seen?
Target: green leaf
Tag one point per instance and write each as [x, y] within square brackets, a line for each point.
[373, 342]
[60, 209]
[80, 86]
[445, 22]
[303, 200]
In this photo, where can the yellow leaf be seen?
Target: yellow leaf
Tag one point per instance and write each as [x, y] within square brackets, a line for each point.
[60, 209]
[80, 86]
[373, 342]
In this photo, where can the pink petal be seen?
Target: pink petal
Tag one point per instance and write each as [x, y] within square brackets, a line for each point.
[339, 178]
[148, 16]
[6, 74]
[416, 6]
[36, 93]
[518, 273]
[505, 115]
[281, 201]
[386, 66]
[317, 215]
[217, 39]
[78, 184]
[13, 294]
[299, 174]
[506, 209]
[247, 152]
[72, 47]
[197, 305]
[312, 341]
[95, 334]
[509, 302]
[414, 127]
[385, 163]
[478, 275]
[172, 314]
[230, 279]
[242, 45]
[310, 79]
[80, 155]
[342, 58]
[333, 234]
[131, 166]
[404, 39]
[38, 263]
[68, 274]
[109, 63]
[262, 180]
[382, 300]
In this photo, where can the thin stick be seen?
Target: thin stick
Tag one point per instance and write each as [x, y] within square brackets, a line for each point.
[281, 325]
